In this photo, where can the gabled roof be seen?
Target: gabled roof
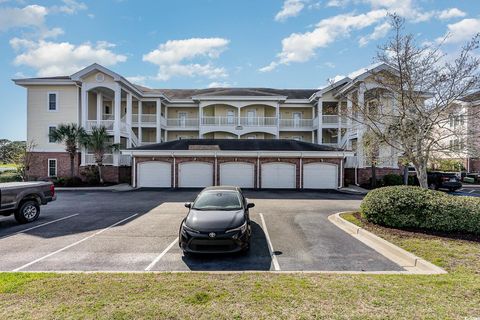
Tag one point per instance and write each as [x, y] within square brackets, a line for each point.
[237, 145]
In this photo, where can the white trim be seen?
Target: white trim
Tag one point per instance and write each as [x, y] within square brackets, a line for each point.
[239, 98]
[243, 153]
[43, 82]
[48, 167]
[56, 101]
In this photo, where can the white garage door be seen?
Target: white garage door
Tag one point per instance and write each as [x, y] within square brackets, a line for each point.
[195, 174]
[319, 176]
[154, 174]
[278, 175]
[239, 174]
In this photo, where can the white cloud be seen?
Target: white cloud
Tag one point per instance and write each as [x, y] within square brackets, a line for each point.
[300, 47]
[216, 84]
[451, 13]
[137, 79]
[379, 32]
[69, 7]
[290, 8]
[174, 58]
[337, 3]
[461, 31]
[62, 58]
[29, 16]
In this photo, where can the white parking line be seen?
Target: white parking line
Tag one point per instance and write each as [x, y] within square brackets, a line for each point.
[40, 225]
[472, 191]
[73, 244]
[276, 266]
[160, 256]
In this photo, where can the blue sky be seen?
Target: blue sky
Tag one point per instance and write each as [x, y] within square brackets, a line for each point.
[201, 43]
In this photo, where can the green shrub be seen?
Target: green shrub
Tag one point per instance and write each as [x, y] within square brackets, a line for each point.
[414, 207]
[68, 182]
[10, 176]
[392, 179]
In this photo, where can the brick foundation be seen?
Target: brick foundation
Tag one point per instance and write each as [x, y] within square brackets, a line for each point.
[38, 169]
[220, 160]
[475, 165]
[364, 174]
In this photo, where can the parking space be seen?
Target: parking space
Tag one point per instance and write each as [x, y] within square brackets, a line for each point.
[468, 190]
[138, 231]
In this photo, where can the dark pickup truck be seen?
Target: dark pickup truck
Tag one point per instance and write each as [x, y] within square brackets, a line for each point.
[23, 199]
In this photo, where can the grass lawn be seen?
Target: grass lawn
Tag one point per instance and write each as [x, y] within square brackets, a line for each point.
[8, 165]
[259, 295]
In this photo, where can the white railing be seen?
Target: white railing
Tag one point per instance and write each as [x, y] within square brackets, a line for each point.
[108, 124]
[330, 144]
[134, 138]
[125, 160]
[144, 143]
[182, 122]
[123, 127]
[219, 121]
[108, 117]
[258, 121]
[90, 159]
[351, 162]
[330, 119]
[296, 123]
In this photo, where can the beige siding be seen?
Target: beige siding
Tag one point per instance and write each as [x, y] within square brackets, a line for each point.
[306, 136]
[149, 134]
[175, 135]
[287, 113]
[173, 112]
[39, 117]
[92, 78]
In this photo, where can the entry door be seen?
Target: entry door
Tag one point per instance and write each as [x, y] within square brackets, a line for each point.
[230, 117]
[297, 117]
[183, 118]
[251, 117]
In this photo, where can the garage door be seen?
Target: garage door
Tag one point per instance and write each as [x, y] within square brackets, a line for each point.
[319, 176]
[239, 174]
[195, 174]
[278, 175]
[154, 174]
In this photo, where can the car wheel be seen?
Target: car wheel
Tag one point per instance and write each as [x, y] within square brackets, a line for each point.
[27, 212]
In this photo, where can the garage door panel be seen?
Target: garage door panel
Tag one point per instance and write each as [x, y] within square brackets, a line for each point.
[195, 174]
[320, 176]
[241, 174]
[279, 175]
[154, 174]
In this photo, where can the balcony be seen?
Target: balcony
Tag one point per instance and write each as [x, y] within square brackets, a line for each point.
[238, 125]
[258, 121]
[182, 123]
[90, 159]
[145, 119]
[108, 124]
[296, 124]
[333, 120]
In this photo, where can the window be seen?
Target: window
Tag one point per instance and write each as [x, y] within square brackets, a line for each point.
[52, 167]
[52, 101]
[107, 110]
[50, 130]
[218, 200]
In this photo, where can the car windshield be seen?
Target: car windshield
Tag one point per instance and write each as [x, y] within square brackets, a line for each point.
[217, 200]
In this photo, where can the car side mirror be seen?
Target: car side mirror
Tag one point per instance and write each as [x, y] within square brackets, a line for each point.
[188, 205]
[250, 205]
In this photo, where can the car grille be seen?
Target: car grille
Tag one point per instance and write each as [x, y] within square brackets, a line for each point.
[212, 245]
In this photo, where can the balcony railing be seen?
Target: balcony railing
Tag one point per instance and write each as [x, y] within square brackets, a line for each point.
[108, 124]
[330, 119]
[145, 118]
[219, 121]
[258, 121]
[296, 123]
[124, 160]
[90, 159]
[182, 122]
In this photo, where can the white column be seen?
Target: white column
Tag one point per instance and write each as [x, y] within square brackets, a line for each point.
[129, 119]
[320, 121]
[84, 107]
[349, 118]
[140, 112]
[159, 114]
[360, 130]
[165, 133]
[116, 118]
[99, 108]
[200, 118]
[339, 122]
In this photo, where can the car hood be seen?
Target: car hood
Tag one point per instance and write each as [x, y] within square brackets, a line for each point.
[214, 220]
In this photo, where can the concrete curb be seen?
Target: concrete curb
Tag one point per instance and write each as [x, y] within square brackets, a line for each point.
[403, 258]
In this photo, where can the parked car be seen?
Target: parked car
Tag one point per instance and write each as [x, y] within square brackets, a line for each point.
[217, 221]
[23, 199]
[443, 180]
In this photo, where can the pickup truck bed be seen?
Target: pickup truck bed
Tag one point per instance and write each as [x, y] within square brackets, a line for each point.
[23, 199]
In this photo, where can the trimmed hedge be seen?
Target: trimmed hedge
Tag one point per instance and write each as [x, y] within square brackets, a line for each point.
[415, 207]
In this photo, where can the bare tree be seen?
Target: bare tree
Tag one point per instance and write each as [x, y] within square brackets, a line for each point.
[23, 159]
[411, 107]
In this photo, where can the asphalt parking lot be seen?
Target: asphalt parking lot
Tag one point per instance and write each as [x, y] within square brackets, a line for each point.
[138, 230]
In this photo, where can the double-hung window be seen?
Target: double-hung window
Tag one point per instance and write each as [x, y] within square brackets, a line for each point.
[52, 167]
[50, 130]
[52, 101]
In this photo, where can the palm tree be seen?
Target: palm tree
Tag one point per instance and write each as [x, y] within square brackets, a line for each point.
[71, 135]
[98, 142]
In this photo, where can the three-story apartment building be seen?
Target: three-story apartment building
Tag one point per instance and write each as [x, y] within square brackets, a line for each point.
[139, 117]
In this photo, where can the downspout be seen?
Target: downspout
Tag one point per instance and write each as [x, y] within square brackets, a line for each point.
[215, 171]
[341, 171]
[258, 170]
[134, 180]
[174, 171]
[301, 171]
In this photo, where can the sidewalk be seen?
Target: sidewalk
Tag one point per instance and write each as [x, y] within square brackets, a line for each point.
[115, 188]
[353, 189]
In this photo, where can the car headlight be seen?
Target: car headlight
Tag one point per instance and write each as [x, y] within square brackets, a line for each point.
[186, 228]
[242, 228]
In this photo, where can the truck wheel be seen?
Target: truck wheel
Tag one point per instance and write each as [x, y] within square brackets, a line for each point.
[27, 212]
